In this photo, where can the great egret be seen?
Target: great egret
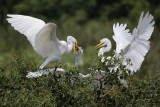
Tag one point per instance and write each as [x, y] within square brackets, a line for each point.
[60, 70]
[43, 38]
[134, 46]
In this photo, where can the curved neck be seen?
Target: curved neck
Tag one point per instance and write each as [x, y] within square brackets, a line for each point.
[69, 47]
[105, 49]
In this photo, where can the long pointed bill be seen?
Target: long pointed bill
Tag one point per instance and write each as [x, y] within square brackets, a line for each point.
[99, 45]
[76, 48]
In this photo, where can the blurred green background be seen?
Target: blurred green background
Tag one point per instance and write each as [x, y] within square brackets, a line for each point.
[88, 21]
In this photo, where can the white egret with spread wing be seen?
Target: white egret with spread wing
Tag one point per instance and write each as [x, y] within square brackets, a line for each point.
[133, 46]
[43, 38]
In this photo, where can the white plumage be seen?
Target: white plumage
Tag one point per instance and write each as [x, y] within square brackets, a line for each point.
[138, 44]
[121, 36]
[134, 46]
[42, 37]
[26, 25]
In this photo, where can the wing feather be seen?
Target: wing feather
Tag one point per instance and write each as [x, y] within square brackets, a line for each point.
[41, 36]
[121, 36]
[137, 45]
[46, 41]
[140, 44]
[26, 25]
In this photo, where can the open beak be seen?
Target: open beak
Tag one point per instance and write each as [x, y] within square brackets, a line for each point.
[76, 48]
[99, 45]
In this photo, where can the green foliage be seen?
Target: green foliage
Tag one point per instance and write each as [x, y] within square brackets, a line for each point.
[69, 90]
[17, 90]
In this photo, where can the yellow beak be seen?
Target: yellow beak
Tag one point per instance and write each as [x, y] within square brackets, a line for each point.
[99, 45]
[76, 48]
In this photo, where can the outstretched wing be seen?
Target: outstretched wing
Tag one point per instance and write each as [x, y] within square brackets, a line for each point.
[46, 41]
[42, 36]
[121, 36]
[140, 45]
[26, 25]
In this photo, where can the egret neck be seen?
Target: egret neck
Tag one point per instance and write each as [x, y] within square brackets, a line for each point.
[69, 47]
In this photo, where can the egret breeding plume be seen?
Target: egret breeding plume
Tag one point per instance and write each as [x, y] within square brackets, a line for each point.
[43, 38]
[133, 46]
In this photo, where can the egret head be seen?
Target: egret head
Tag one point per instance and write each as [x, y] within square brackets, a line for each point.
[103, 42]
[72, 40]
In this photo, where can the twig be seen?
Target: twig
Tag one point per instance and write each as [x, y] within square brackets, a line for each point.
[108, 91]
[111, 89]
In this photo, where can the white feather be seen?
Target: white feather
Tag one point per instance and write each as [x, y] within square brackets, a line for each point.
[134, 46]
[26, 25]
[121, 36]
[42, 37]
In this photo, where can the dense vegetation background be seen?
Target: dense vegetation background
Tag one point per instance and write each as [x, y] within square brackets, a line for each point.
[88, 21]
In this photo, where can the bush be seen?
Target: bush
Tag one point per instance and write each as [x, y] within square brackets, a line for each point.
[69, 90]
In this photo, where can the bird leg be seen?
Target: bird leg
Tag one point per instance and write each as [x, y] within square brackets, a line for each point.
[56, 67]
[45, 63]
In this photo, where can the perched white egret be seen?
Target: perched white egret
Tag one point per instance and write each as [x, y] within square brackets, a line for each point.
[39, 73]
[43, 38]
[134, 46]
